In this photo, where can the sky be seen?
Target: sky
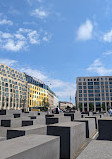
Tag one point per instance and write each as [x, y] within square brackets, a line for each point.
[57, 40]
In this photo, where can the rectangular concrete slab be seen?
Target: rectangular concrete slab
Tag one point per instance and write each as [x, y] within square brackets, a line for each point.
[59, 119]
[22, 131]
[72, 136]
[16, 122]
[97, 150]
[90, 126]
[30, 147]
[70, 114]
[96, 120]
[105, 128]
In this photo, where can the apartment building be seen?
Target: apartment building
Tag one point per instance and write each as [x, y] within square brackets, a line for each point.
[63, 105]
[37, 92]
[56, 101]
[94, 93]
[19, 90]
[13, 88]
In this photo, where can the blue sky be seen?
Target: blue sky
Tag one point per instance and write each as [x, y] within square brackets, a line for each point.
[57, 40]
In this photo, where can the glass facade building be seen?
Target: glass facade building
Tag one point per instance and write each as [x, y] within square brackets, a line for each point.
[94, 93]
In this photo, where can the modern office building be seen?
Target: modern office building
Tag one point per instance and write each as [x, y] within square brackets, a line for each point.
[94, 93]
[13, 88]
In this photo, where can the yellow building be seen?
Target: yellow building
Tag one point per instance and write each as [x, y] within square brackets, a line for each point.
[36, 95]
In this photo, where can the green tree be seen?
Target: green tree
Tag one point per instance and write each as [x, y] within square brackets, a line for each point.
[91, 106]
[68, 107]
[103, 106]
[80, 106]
[45, 104]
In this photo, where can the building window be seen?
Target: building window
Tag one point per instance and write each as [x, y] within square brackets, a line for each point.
[85, 91]
[84, 87]
[80, 99]
[90, 87]
[90, 91]
[80, 95]
[90, 83]
[80, 91]
[96, 83]
[91, 99]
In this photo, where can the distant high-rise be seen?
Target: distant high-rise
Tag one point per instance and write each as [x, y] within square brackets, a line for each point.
[94, 93]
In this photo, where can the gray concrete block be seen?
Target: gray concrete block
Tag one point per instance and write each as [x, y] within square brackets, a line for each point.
[22, 131]
[30, 147]
[16, 122]
[2, 138]
[11, 112]
[33, 117]
[49, 115]
[70, 114]
[17, 115]
[97, 150]
[72, 136]
[90, 126]
[96, 120]
[77, 115]
[105, 128]
[59, 119]
[3, 131]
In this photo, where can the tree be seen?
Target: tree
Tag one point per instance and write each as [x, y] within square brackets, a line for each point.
[80, 106]
[91, 106]
[68, 107]
[45, 104]
[103, 106]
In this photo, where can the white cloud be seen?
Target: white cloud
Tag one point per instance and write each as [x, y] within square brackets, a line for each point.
[85, 31]
[34, 72]
[5, 21]
[34, 37]
[22, 39]
[12, 45]
[108, 37]
[107, 53]
[8, 62]
[40, 13]
[98, 67]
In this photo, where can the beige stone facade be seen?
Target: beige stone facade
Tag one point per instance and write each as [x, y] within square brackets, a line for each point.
[50, 100]
[13, 88]
[95, 91]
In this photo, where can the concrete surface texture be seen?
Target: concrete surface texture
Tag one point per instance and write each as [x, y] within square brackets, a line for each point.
[77, 115]
[30, 147]
[97, 150]
[72, 136]
[90, 126]
[105, 128]
[58, 119]
[22, 131]
[3, 131]
[96, 120]
[70, 114]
